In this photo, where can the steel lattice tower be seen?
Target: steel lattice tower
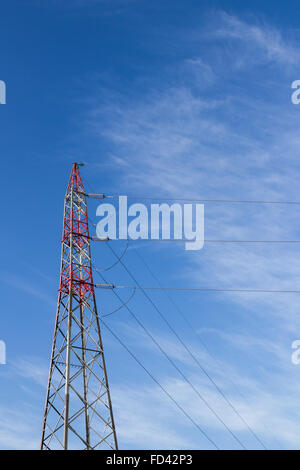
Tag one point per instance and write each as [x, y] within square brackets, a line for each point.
[78, 411]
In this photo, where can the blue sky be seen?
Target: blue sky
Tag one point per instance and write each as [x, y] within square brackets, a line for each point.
[165, 98]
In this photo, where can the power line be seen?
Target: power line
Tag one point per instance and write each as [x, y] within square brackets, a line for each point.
[203, 344]
[205, 372]
[121, 306]
[161, 387]
[188, 350]
[229, 201]
[183, 316]
[185, 240]
[177, 368]
[199, 289]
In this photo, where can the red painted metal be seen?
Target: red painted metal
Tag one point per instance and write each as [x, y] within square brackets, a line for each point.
[76, 278]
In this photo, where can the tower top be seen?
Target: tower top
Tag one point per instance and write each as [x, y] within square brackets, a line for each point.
[75, 180]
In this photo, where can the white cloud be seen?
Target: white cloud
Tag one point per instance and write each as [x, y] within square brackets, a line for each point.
[145, 419]
[19, 428]
[29, 288]
[267, 41]
[32, 368]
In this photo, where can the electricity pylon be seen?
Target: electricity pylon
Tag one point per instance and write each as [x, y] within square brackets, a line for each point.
[78, 411]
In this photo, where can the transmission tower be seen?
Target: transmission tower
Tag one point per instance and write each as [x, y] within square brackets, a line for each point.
[78, 412]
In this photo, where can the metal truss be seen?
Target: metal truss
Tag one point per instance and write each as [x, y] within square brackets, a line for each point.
[78, 412]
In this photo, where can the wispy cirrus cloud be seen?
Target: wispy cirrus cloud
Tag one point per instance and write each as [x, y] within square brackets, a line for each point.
[19, 428]
[30, 288]
[31, 368]
[260, 38]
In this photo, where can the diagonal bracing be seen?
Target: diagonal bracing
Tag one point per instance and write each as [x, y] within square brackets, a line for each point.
[78, 412]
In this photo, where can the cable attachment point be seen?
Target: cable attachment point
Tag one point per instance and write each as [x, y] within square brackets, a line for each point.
[104, 286]
[96, 196]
